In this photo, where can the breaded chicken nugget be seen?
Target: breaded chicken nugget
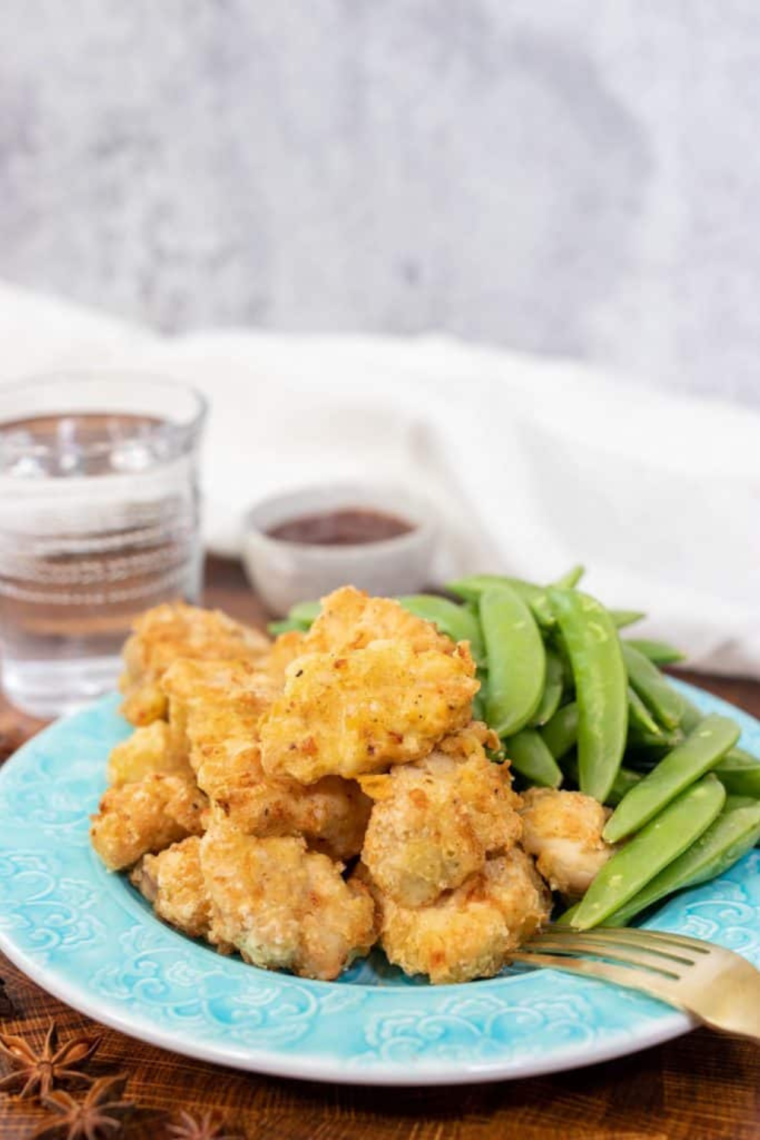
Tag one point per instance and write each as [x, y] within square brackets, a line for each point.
[285, 649]
[564, 831]
[146, 751]
[351, 619]
[470, 932]
[362, 711]
[168, 632]
[172, 881]
[435, 822]
[284, 907]
[146, 816]
[215, 714]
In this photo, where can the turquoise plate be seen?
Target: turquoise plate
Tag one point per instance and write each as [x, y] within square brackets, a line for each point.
[88, 938]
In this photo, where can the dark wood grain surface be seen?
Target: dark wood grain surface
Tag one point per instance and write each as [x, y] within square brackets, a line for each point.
[700, 1087]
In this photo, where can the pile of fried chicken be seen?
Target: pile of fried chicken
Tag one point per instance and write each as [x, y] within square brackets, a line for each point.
[302, 800]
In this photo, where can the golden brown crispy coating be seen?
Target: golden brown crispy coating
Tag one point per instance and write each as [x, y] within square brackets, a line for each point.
[145, 816]
[564, 831]
[168, 632]
[173, 882]
[147, 750]
[224, 699]
[363, 711]
[351, 619]
[282, 906]
[470, 932]
[435, 822]
[215, 713]
[285, 649]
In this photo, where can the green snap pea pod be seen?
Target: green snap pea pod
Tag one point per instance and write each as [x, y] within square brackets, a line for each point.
[624, 781]
[480, 700]
[657, 845]
[571, 578]
[455, 621]
[664, 701]
[552, 694]
[285, 625]
[645, 748]
[560, 734]
[734, 802]
[516, 660]
[601, 688]
[739, 772]
[639, 715]
[734, 833]
[533, 760]
[473, 588]
[658, 652]
[682, 767]
[305, 612]
[623, 618]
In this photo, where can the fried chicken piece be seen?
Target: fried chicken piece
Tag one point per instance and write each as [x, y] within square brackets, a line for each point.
[146, 751]
[172, 882]
[564, 831]
[171, 631]
[285, 649]
[351, 619]
[470, 932]
[365, 710]
[435, 821]
[145, 816]
[227, 697]
[282, 906]
[215, 713]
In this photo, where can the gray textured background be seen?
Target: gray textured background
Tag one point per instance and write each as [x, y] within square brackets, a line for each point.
[579, 177]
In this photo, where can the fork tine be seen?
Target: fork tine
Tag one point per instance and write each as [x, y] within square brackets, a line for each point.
[620, 938]
[637, 935]
[631, 955]
[650, 983]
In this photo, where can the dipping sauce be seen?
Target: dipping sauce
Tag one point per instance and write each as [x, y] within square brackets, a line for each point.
[349, 526]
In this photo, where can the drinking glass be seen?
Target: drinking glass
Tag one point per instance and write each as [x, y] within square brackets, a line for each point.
[99, 520]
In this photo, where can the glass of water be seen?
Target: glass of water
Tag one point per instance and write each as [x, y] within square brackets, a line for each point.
[99, 520]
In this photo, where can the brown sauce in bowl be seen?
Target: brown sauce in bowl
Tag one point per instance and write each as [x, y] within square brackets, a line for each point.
[349, 526]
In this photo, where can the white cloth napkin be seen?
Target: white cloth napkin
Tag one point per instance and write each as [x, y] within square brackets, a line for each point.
[531, 465]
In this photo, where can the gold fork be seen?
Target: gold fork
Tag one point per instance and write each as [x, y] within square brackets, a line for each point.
[718, 987]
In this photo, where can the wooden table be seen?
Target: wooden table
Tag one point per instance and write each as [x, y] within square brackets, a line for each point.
[698, 1087]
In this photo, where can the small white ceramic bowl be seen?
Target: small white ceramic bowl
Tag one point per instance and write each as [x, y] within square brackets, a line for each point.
[283, 573]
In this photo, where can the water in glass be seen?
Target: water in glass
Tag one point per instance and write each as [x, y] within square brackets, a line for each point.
[98, 522]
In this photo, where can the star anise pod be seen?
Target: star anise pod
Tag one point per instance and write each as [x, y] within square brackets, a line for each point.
[96, 1117]
[36, 1074]
[206, 1127]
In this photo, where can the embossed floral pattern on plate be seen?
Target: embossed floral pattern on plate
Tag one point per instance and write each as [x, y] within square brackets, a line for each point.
[88, 937]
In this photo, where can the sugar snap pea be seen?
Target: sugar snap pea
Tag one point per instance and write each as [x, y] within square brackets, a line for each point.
[285, 625]
[516, 660]
[473, 588]
[661, 841]
[624, 618]
[305, 612]
[639, 716]
[701, 751]
[552, 693]
[664, 701]
[572, 577]
[560, 734]
[658, 652]
[455, 621]
[624, 781]
[601, 687]
[739, 772]
[731, 835]
[533, 760]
